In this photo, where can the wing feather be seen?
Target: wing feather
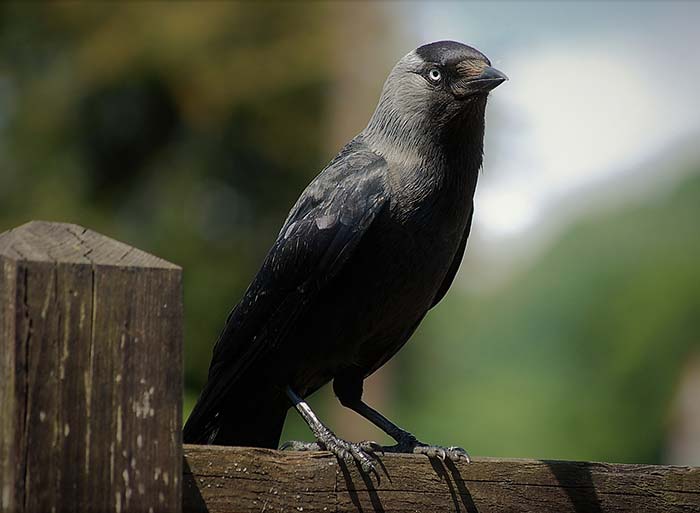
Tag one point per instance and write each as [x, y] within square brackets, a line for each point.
[456, 262]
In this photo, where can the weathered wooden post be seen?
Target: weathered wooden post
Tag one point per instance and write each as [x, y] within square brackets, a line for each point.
[90, 374]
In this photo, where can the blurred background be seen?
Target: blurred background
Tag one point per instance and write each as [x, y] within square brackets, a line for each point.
[573, 328]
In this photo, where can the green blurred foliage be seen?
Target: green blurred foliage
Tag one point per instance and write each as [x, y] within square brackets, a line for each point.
[579, 356]
[187, 130]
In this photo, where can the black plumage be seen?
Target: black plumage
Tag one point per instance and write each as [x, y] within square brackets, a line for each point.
[370, 246]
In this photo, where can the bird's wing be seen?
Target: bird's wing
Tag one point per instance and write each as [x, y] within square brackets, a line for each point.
[456, 261]
[318, 237]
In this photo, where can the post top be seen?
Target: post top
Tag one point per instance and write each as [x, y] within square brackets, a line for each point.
[44, 241]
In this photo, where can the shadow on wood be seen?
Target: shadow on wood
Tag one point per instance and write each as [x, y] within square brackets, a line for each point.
[192, 500]
[447, 470]
[575, 479]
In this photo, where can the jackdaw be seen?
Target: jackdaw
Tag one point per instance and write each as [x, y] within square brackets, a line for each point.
[371, 245]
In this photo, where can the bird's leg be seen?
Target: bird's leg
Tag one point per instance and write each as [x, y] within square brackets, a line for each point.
[405, 441]
[326, 439]
[349, 397]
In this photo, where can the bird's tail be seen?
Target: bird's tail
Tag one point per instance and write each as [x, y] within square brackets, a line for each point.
[249, 422]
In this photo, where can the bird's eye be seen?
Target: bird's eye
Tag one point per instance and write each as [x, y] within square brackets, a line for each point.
[434, 75]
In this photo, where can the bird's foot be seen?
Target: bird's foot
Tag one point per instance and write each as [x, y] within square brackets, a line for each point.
[346, 451]
[410, 445]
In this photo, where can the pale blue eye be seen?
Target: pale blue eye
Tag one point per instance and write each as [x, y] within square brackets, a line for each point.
[435, 75]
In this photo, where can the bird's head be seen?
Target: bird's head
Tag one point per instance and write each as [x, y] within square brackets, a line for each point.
[431, 86]
[451, 72]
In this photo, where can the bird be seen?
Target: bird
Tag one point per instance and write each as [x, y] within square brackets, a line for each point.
[371, 245]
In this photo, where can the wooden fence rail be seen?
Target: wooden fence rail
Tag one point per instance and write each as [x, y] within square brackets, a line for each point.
[223, 479]
[90, 413]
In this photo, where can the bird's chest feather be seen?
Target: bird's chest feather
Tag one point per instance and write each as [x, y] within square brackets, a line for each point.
[410, 249]
[430, 211]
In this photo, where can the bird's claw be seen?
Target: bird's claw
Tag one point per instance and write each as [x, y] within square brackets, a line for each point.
[413, 446]
[347, 451]
[436, 451]
[370, 446]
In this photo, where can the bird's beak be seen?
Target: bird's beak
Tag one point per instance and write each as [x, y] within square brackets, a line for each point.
[488, 79]
[476, 79]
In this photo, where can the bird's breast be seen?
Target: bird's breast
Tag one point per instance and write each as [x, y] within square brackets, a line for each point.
[410, 249]
[385, 289]
[432, 206]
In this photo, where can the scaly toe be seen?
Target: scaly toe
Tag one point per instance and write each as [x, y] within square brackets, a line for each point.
[349, 452]
[298, 445]
[369, 446]
[361, 457]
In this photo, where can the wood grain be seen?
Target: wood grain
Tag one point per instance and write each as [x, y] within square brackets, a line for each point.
[90, 373]
[234, 479]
